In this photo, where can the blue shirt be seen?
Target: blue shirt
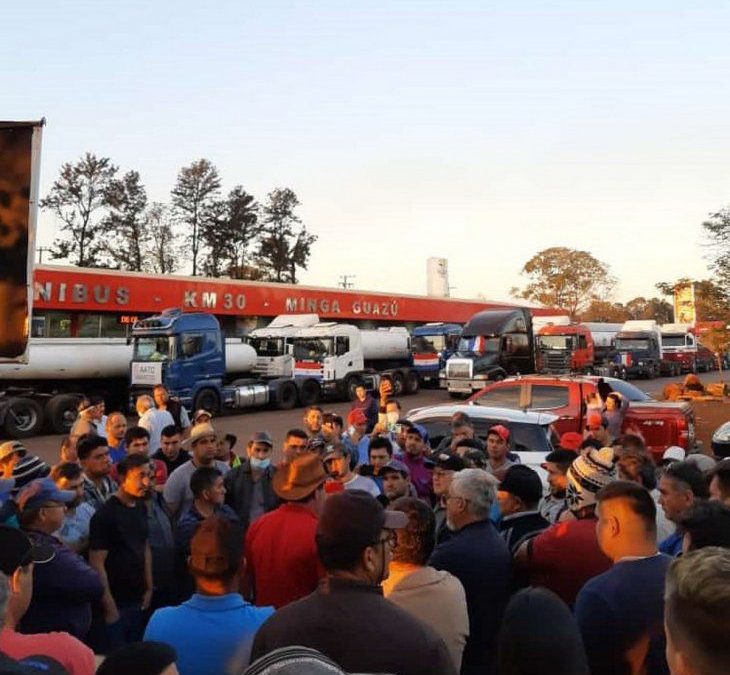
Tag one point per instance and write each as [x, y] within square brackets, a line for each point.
[672, 545]
[211, 634]
[621, 608]
[118, 453]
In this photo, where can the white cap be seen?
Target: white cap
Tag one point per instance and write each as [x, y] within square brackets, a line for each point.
[674, 454]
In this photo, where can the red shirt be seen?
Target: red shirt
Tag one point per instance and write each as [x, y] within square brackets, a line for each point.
[281, 556]
[565, 556]
[72, 654]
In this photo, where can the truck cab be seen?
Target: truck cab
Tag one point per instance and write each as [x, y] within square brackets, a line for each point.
[679, 346]
[432, 344]
[273, 344]
[493, 344]
[565, 349]
[639, 347]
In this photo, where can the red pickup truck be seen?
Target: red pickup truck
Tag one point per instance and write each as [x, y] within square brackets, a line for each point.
[661, 423]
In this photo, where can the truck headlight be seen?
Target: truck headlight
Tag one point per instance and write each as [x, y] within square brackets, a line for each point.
[481, 376]
[641, 363]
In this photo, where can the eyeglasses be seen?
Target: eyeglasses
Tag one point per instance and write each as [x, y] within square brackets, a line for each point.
[391, 539]
[456, 497]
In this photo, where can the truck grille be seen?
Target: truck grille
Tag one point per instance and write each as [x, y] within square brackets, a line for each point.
[459, 369]
[556, 362]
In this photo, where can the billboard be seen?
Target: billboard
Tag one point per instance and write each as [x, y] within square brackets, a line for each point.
[684, 304]
[19, 169]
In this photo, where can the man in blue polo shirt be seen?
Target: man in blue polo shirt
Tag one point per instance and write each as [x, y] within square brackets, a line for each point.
[213, 631]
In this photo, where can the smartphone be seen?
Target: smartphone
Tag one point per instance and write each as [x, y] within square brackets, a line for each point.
[397, 428]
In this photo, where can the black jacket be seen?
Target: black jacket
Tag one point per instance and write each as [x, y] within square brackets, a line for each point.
[239, 490]
[361, 631]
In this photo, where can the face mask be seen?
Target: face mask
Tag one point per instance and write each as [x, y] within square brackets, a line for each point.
[257, 463]
[351, 430]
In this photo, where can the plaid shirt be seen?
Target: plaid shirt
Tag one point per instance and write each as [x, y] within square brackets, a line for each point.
[97, 495]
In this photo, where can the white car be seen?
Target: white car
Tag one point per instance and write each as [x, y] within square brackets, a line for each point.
[530, 438]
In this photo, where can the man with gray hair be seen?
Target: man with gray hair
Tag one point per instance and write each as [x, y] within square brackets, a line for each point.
[478, 557]
[153, 420]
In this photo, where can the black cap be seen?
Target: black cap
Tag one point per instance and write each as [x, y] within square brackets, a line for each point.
[448, 461]
[560, 456]
[521, 481]
[16, 550]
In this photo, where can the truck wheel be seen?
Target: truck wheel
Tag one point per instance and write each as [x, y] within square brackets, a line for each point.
[286, 396]
[61, 412]
[399, 383]
[309, 393]
[412, 382]
[207, 399]
[23, 418]
[351, 383]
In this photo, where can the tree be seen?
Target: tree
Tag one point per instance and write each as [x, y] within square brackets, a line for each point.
[125, 228]
[75, 198]
[163, 249]
[281, 247]
[565, 278]
[605, 312]
[654, 308]
[192, 198]
[717, 229]
[711, 301]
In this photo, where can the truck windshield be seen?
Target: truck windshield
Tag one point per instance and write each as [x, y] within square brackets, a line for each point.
[154, 348]
[632, 344]
[431, 344]
[479, 344]
[312, 349]
[267, 346]
[674, 341]
[562, 342]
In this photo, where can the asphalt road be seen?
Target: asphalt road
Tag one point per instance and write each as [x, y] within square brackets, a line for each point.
[277, 422]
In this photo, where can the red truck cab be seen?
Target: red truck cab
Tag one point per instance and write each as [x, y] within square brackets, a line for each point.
[661, 423]
[565, 349]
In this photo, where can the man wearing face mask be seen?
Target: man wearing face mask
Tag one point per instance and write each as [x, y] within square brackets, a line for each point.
[355, 536]
[249, 488]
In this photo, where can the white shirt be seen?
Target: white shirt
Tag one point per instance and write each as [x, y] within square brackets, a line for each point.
[155, 421]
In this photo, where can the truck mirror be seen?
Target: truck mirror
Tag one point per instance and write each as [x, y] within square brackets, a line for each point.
[509, 346]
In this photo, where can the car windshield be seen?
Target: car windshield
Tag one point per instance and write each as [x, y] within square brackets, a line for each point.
[312, 349]
[478, 344]
[428, 344]
[674, 341]
[561, 342]
[632, 344]
[267, 346]
[628, 390]
[154, 348]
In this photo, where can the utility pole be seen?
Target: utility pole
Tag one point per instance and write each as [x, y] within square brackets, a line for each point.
[41, 250]
[344, 281]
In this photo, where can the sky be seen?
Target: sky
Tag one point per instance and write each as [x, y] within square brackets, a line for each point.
[482, 132]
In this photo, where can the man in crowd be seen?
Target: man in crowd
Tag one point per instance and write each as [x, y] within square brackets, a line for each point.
[697, 613]
[202, 416]
[171, 452]
[556, 464]
[65, 587]
[435, 597]
[474, 547]
[249, 487]
[313, 420]
[597, 428]
[707, 523]
[720, 482]
[396, 483]
[152, 419]
[347, 618]
[620, 612]
[518, 497]
[445, 466]
[119, 550]
[175, 408]
[209, 495]
[280, 552]
[295, 444]
[96, 463]
[11, 452]
[356, 439]
[203, 442]
[332, 426]
[116, 428]
[564, 556]
[18, 558]
[226, 443]
[419, 466]
[380, 452]
[366, 403]
[213, 631]
[680, 486]
[137, 440]
[462, 428]
[498, 461]
[74, 532]
[337, 464]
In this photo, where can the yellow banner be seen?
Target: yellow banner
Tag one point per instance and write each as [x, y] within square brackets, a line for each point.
[684, 304]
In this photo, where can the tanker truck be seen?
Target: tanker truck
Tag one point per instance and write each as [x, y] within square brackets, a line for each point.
[340, 357]
[432, 345]
[45, 391]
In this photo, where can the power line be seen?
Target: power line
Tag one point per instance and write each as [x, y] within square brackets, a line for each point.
[41, 250]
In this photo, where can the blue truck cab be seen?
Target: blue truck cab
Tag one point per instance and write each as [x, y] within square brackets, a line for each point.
[432, 344]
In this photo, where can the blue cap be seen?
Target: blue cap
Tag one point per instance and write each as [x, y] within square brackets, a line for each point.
[396, 465]
[49, 493]
[6, 485]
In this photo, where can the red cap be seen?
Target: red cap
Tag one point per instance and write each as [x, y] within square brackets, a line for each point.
[357, 416]
[571, 440]
[594, 420]
[501, 431]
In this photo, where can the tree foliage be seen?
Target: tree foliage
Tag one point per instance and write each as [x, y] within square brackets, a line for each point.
[194, 201]
[717, 229]
[126, 229]
[604, 312]
[711, 300]
[76, 197]
[283, 245]
[653, 308]
[163, 249]
[565, 278]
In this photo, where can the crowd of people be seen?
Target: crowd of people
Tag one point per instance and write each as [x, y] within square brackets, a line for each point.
[369, 548]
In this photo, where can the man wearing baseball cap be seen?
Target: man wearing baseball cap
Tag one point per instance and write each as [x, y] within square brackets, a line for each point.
[280, 553]
[337, 464]
[419, 466]
[498, 450]
[356, 438]
[556, 464]
[18, 557]
[249, 487]
[347, 618]
[396, 482]
[446, 464]
[518, 497]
